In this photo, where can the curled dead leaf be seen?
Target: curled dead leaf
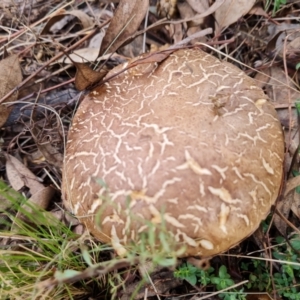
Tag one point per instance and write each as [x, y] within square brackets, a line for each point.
[230, 11]
[47, 151]
[284, 206]
[36, 205]
[57, 22]
[80, 56]
[259, 296]
[200, 6]
[125, 22]
[10, 77]
[20, 176]
[32, 213]
[87, 77]
[291, 184]
[290, 201]
[296, 205]
[258, 11]
[42, 197]
[148, 58]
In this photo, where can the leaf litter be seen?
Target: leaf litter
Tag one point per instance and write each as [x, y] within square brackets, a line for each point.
[59, 48]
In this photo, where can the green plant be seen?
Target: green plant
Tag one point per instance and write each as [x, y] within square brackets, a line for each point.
[52, 262]
[193, 274]
[155, 242]
[220, 281]
[276, 5]
[223, 280]
[35, 248]
[259, 278]
[44, 252]
[285, 279]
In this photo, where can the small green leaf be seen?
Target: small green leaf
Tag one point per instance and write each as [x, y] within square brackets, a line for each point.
[192, 279]
[279, 239]
[223, 272]
[192, 268]
[288, 270]
[296, 243]
[215, 280]
[297, 105]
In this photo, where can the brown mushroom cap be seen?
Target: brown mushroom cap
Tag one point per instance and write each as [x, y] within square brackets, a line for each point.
[192, 142]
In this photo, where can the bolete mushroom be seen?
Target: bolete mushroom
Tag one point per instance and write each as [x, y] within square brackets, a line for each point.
[191, 142]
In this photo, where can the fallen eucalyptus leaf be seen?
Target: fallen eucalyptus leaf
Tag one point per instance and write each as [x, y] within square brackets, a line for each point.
[10, 77]
[125, 22]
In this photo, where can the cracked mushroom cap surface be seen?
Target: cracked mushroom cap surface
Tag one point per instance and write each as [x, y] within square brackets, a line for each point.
[191, 142]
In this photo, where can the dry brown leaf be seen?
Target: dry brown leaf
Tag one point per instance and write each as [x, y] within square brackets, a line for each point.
[134, 48]
[291, 184]
[259, 296]
[259, 238]
[85, 20]
[88, 55]
[195, 19]
[14, 177]
[279, 88]
[187, 12]
[20, 176]
[200, 6]
[291, 201]
[296, 205]
[294, 44]
[177, 32]
[263, 78]
[126, 21]
[230, 11]
[47, 151]
[258, 11]
[57, 22]
[42, 197]
[43, 217]
[10, 77]
[82, 55]
[51, 154]
[87, 77]
[148, 58]
[284, 206]
[151, 58]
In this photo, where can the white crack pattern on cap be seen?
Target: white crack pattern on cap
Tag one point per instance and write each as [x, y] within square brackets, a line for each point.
[190, 143]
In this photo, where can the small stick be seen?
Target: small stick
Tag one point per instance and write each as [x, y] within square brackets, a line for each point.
[53, 59]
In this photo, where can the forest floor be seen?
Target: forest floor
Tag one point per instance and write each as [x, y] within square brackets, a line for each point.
[52, 54]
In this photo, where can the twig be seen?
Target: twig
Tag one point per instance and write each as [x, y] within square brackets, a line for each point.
[25, 29]
[53, 59]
